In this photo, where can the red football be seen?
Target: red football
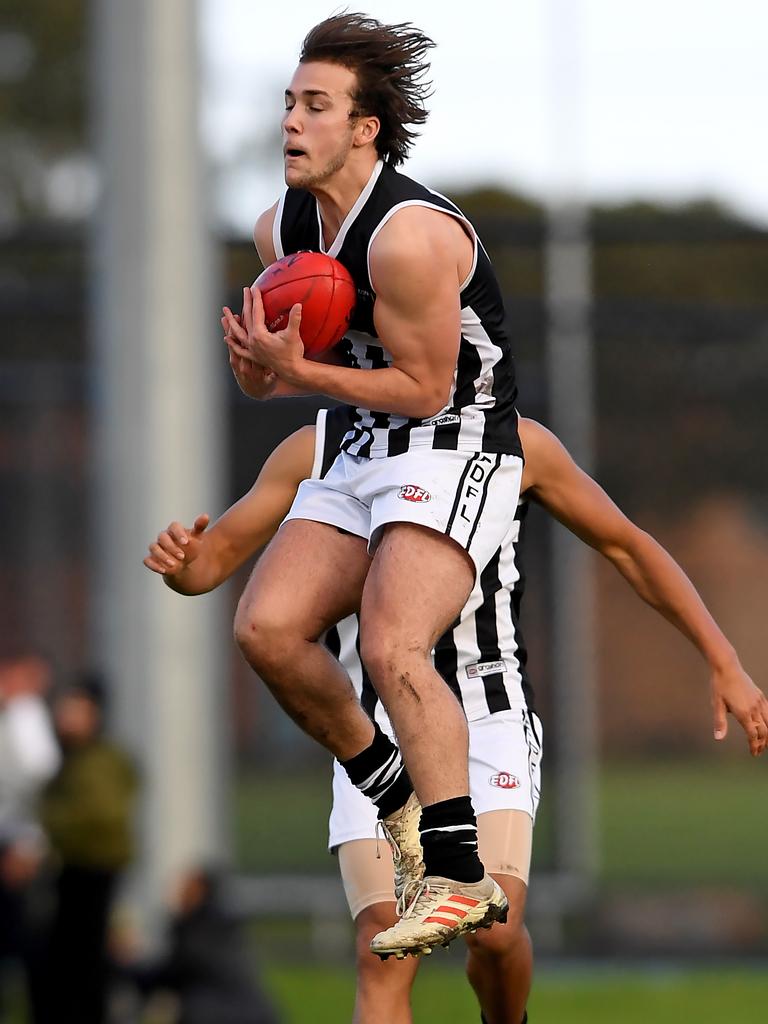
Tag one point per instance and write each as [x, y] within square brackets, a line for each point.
[325, 290]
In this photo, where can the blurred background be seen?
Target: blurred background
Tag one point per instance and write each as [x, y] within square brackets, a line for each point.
[612, 161]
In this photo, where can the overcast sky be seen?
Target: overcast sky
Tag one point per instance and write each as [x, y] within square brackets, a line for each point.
[664, 99]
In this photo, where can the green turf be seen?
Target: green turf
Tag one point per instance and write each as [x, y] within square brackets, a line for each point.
[281, 823]
[324, 996]
[663, 824]
[685, 824]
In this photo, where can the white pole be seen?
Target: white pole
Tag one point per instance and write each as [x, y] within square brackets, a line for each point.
[571, 415]
[159, 421]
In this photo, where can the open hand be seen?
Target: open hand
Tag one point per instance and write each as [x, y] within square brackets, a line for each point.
[734, 692]
[176, 547]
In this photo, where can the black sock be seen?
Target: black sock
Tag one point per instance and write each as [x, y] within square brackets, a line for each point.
[449, 840]
[379, 772]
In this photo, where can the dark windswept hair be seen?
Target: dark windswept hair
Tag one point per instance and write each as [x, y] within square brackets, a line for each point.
[388, 61]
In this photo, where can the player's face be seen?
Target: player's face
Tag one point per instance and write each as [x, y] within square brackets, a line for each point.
[318, 132]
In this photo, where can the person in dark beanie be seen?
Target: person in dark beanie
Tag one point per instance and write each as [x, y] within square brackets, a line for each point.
[86, 810]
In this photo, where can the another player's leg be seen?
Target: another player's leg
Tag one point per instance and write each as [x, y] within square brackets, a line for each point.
[383, 989]
[500, 960]
[504, 747]
[417, 585]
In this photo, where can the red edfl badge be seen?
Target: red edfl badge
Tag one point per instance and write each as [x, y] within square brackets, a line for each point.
[410, 492]
[505, 780]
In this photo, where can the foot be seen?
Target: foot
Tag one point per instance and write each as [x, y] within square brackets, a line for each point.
[438, 911]
[401, 831]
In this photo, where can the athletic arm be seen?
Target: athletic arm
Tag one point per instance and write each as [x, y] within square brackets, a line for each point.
[569, 494]
[197, 560]
[414, 271]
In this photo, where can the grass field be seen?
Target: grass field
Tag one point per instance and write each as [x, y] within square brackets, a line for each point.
[663, 824]
[322, 996]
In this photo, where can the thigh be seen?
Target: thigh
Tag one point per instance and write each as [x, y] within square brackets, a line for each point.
[311, 575]
[418, 583]
[367, 874]
[504, 842]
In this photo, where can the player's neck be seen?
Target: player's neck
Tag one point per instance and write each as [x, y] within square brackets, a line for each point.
[338, 194]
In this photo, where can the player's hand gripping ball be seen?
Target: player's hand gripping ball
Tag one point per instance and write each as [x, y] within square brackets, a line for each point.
[325, 290]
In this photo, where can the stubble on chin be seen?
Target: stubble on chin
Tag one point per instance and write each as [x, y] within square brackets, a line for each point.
[319, 178]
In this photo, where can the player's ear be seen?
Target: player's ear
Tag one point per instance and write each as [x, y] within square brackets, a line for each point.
[366, 130]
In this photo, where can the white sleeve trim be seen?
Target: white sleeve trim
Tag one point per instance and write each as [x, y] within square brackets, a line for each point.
[440, 209]
[277, 241]
[317, 464]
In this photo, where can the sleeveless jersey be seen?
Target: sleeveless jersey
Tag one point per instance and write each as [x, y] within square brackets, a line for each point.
[482, 657]
[480, 414]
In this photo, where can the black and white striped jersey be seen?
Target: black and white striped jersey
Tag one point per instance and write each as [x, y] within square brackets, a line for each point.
[482, 657]
[480, 413]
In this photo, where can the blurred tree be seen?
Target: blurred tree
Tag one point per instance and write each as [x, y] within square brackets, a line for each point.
[44, 165]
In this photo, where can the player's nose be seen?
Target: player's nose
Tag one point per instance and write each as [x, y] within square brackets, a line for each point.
[291, 122]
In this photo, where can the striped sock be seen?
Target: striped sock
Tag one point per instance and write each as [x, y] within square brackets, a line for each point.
[379, 772]
[449, 840]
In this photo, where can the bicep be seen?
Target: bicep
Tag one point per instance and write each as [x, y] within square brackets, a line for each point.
[418, 311]
[420, 326]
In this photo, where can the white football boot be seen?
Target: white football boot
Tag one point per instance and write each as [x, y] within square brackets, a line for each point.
[401, 830]
[436, 911]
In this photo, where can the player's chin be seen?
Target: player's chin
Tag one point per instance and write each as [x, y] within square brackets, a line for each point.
[296, 177]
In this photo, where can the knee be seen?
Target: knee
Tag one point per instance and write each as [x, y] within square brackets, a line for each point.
[376, 652]
[263, 636]
[387, 654]
[383, 984]
[370, 922]
[501, 940]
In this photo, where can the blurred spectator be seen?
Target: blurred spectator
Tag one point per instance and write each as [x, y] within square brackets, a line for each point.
[28, 757]
[87, 812]
[208, 968]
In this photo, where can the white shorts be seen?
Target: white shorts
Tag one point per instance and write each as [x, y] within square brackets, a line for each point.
[504, 774]
[469, 497]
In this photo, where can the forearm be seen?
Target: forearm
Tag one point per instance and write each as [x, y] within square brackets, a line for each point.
[660, 582]
[208, 571]
[391, 389]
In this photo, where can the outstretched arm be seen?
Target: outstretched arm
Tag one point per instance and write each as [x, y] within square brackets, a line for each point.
[197, 560]
[553, 480]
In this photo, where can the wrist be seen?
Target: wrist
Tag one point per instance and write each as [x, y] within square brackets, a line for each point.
[723, 658]
[297, 374]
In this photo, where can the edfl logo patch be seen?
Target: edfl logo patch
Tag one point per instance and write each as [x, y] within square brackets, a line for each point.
[505, 780]
[411, 492]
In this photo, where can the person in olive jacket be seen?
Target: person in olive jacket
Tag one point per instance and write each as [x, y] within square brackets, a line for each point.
[87, 812]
